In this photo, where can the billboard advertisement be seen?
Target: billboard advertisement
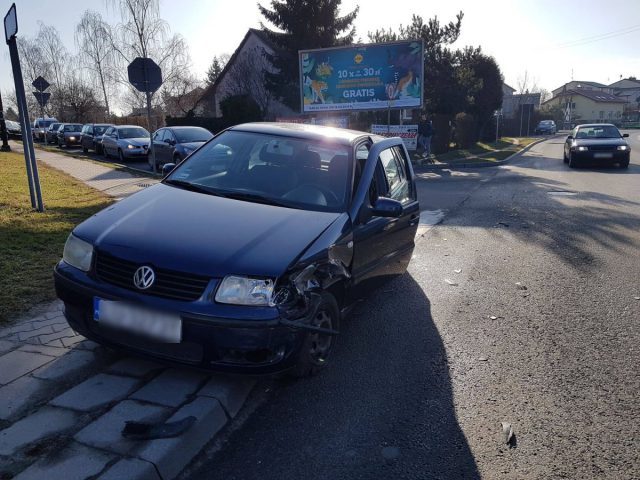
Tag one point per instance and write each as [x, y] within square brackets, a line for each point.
[362, 77]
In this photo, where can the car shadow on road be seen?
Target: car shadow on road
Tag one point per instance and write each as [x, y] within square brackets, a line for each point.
[383, 409]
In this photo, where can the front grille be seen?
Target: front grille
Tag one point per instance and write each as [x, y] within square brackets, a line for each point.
[168, 283]
[602, 148]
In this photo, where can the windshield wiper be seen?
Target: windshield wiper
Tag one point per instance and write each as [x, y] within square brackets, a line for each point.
[253, 197]
[194, 187]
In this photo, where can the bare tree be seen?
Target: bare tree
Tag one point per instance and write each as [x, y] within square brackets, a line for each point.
[142, 33]
[93, 36]
[56, 57]
[246, 77]
[182, 95]
[33, 64]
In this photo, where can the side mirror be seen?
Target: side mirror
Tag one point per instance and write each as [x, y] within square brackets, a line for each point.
[167, 168]
[625, 135]
[171, 142]
[570, 137]
[387, 207]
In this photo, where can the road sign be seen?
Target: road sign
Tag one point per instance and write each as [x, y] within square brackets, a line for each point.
[42, 98]
[10, 23]
[145, 75]
[40, 84]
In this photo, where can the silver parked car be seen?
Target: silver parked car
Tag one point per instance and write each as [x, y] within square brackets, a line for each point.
[126, 142]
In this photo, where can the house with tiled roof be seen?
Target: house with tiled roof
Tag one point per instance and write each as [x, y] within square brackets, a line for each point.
[587, 105]
[244, 75]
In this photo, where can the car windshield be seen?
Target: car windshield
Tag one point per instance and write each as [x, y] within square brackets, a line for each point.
[186, 135]
[598, 131]
[72, 128]
[54, 126]
[291, 172]
[99, 129]
[132, 132]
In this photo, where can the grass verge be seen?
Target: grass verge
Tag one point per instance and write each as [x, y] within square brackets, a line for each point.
[486, 151]
[31, 243]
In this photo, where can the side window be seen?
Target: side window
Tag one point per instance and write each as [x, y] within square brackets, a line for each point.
[395, 173]
[157, 137]
[362, 153]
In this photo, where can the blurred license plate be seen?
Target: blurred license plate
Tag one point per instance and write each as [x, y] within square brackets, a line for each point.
[603, 155]
[153, 324]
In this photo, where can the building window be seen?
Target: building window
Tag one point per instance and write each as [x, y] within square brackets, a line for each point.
[610, 114]
[601, 114]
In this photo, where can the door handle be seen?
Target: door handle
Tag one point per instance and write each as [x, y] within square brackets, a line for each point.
[414, 219]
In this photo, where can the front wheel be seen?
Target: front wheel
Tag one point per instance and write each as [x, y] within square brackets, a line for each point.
[105, 154]
[572, 162]
[120, 156]
[624, 165]
[317, 347]
[564, 157]
[85, 150]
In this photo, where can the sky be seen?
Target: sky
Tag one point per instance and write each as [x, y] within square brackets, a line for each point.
[551, 41]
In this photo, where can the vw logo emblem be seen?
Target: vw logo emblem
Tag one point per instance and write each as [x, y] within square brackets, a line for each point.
[144, 277]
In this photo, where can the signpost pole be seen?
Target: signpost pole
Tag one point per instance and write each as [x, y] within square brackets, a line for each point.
[152, 152]
[27, 139]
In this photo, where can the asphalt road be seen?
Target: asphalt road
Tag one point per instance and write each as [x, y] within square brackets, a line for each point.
[425, 372]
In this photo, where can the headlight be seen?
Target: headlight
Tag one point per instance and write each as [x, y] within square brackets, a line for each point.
[78, 253]
[239, 290]
[72, 139]
[131, 147]
[623, 147]
[582, 149]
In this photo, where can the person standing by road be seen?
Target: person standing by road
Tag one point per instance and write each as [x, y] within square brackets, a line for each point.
[425, 132]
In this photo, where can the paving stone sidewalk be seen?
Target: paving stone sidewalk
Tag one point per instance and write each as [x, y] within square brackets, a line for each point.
[117, 183]
[64, 400]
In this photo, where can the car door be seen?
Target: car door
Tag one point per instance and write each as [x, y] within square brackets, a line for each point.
[170, 142]
[383, 245]
[108, 142]
[568, 141]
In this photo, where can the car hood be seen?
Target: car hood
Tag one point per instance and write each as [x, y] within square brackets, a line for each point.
[139, 142]
[186, 231]
[600, 141]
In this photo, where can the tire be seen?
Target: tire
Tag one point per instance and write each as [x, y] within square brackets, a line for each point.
[564, 157]
[85, 150]
[176, 159]
[624, 165]
[316, 350]
[572, 162]
[105, 154]
[120, 156]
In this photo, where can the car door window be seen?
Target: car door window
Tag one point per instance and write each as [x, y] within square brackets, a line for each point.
[168, 137]
[157, 137]
[395, 173]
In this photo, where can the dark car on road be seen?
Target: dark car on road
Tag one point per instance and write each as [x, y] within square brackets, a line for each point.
[13, 129]
[40, 126]
[546, 127]
[69, 134]
[601, 143]
[125, 142]
[174, 144]
[248, 254]
[51, 133]
[91, 136]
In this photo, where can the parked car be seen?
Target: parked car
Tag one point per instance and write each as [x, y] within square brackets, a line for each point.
[13, 129]
[91, 136]
[546, 127]
[125, 142]
[597, 143]
[40, 126]
[173, 144]
[69, 134]
[245, 261]
[51, 133]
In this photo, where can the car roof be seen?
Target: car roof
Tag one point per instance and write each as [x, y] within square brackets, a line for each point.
[183, 127]
[304, 131]
[127, 126]
[597, 125]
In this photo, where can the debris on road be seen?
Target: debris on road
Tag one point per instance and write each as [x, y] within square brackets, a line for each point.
[493, 317]
[148, 431]
[637, 298]
[451, 282]
[482, 359]
[459, 270]
[501, 224]
[521, 286]
[509, 434]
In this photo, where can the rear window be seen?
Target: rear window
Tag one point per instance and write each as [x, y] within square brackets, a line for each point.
[132, 132]
[72, 128]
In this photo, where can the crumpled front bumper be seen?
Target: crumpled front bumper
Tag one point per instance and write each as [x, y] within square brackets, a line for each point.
[208, 341]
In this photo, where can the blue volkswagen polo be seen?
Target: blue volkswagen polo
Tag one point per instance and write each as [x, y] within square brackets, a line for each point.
[249, 253]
